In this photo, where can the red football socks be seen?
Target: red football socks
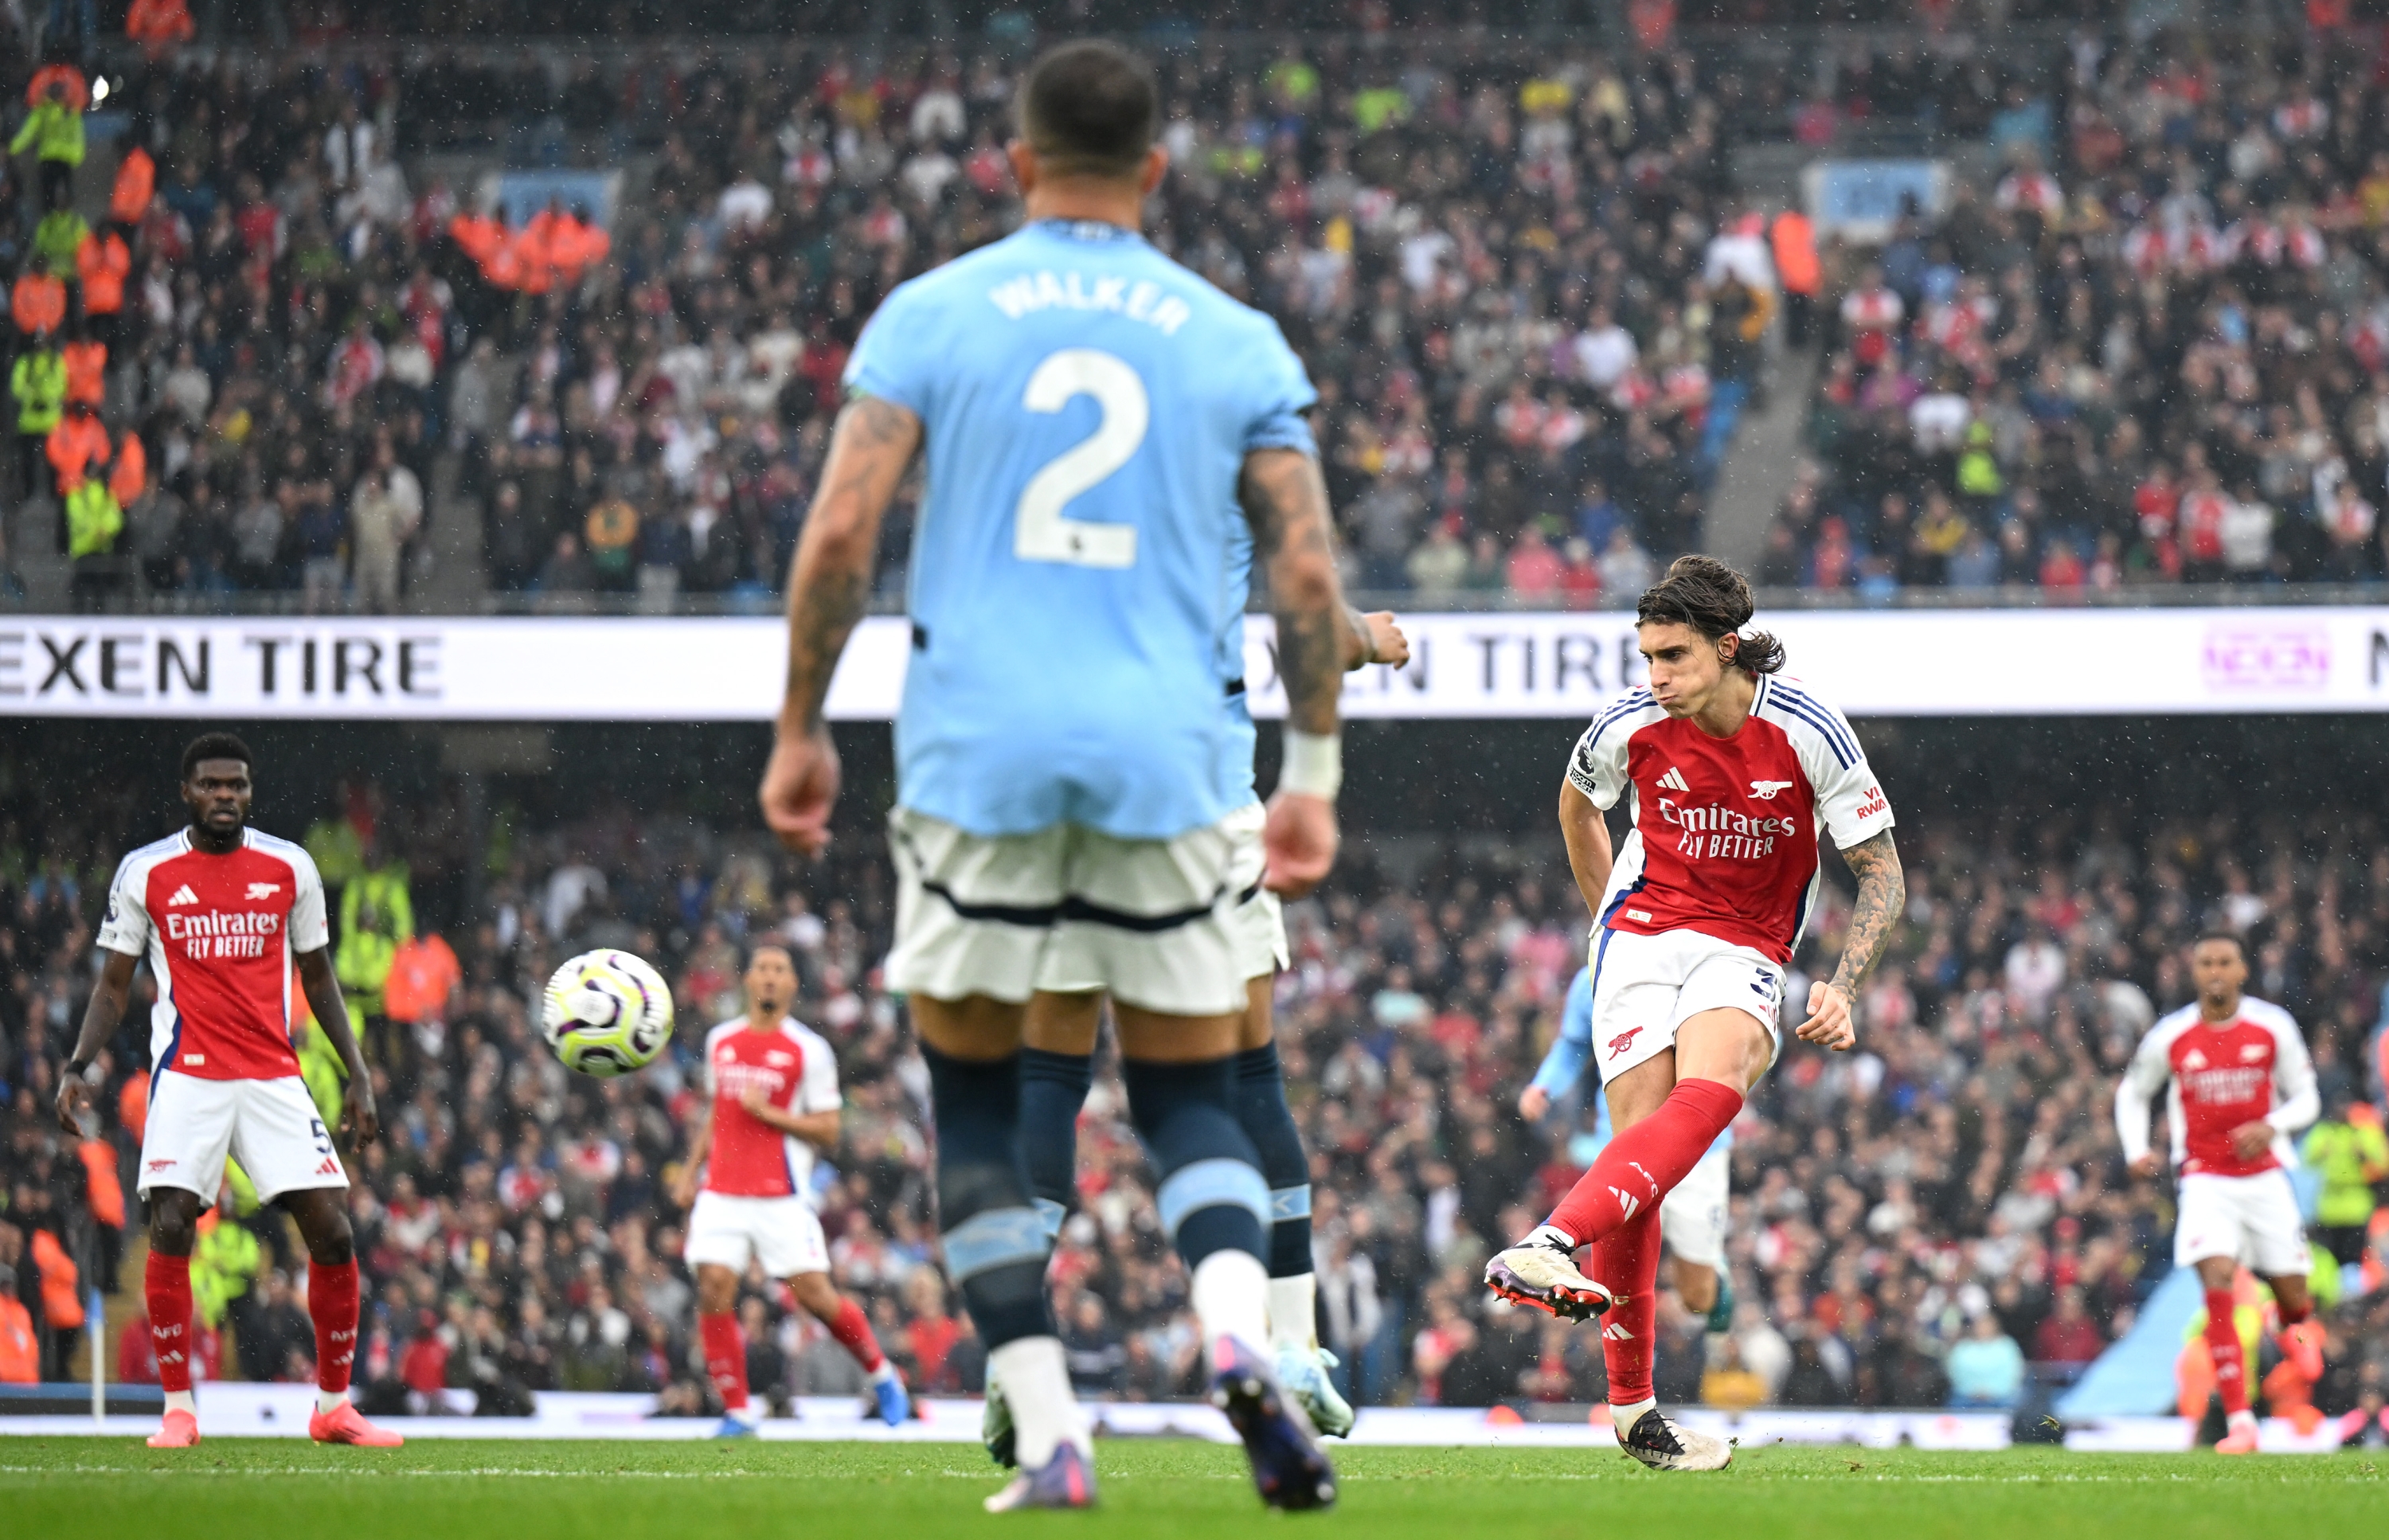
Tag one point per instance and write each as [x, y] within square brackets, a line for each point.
[332, 1303]
[2223, 1346]
[852, 1330]
[1642, 1165]
[1626, 1262]
[167, 1283]
[725, 1359]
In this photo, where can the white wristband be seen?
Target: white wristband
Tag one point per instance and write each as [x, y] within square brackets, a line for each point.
[1314, 764]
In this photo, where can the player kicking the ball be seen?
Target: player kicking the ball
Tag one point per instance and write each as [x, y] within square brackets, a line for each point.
[773, 1083]
[1734, 773]
[2238, 1083]
[1693, 1220]
[1097, 422]
[220, 910]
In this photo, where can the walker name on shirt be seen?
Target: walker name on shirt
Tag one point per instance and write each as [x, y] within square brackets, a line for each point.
[222, 934]
[1144, 300]
[1720, 833]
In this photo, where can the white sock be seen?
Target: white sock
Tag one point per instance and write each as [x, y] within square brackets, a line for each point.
[1037, 1385]
[886, 1373]
[182, 1400]
[1231, 1296]
[1550, 1235]
[749, 1415]
[330, 1400]
[2238, 1420]
[1294, 1313]
[1624, 1418]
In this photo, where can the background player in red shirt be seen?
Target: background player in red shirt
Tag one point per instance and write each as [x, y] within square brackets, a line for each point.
[220, 910]
[2238, 1083]
[773, 1099]
[1733, 773]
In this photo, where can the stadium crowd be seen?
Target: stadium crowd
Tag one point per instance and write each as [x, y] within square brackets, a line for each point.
[1520, 280]
[1912, 1225]
[2150, 349]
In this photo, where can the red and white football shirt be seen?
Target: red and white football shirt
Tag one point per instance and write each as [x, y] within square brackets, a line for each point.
[219, 932]
[1726, 829]
[2218, 1077]
[797, 1072]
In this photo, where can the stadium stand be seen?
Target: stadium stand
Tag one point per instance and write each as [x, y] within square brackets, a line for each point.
[1961, 1169]
[1534, 304]
[2148, 351]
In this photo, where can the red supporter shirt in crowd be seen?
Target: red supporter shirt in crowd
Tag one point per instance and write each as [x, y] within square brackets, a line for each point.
[2218, 1077]
[1725, 828]
[797, 1072]
[220, 933]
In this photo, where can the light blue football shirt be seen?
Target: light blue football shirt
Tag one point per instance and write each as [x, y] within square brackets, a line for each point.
[1081, 559]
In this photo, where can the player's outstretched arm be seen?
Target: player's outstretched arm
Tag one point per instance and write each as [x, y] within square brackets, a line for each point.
[99, 1022]
[1285, 499]
[1882, 898]
[829, 582]
[323, 990]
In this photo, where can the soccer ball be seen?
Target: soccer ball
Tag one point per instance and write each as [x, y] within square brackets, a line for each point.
[607, 1013]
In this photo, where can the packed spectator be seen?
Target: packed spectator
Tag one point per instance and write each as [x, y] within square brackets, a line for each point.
[1520, 279]
[1940, 1217]
[2152, 349]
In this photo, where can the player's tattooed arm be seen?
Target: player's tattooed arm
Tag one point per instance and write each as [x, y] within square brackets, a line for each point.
[1883, 898]
[829, 581]
[1285, 499]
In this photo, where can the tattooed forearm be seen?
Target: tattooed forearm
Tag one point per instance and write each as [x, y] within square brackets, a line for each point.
[1286, 500]
[829, 581]
[1882, 898]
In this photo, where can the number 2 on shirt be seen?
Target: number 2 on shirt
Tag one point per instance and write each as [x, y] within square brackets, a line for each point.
[1040, 532]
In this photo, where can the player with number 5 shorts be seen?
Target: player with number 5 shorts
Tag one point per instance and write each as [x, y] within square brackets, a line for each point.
[1732, 774]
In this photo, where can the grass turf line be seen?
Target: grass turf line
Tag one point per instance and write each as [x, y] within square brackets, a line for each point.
[108, 1489]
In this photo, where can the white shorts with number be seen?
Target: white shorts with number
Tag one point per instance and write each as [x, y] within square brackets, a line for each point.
[2253, 1220]
[269, 1126]
[1646, 986]
[1154, 923]
[785, 1234]
[1692, 1218]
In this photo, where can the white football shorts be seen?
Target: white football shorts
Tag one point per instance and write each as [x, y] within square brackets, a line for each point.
[2253, 1220]
[785, 1234]
[1693, 1217]
[1261, 917]
[269, 1126]
[1646, 986]
[1153, 922]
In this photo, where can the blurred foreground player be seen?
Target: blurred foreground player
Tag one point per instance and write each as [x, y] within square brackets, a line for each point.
[219, 910]
[774, 1088]
[1734, 774]
[2237, 1082]
[1097, 422]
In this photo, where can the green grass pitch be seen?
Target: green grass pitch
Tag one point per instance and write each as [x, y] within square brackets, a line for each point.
[70, 1488]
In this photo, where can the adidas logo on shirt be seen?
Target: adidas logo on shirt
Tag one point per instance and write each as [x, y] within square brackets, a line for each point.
[183, 895]
[1674, 781]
